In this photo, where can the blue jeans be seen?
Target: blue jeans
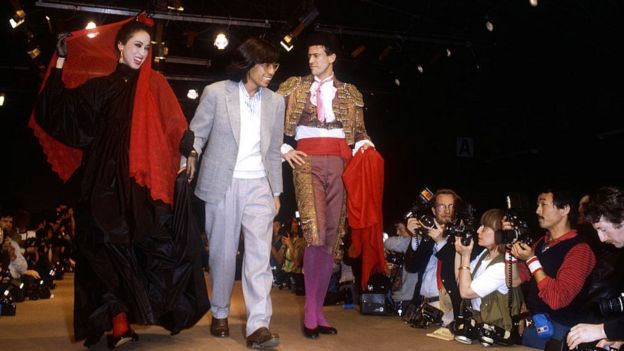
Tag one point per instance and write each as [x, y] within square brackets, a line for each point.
[530, 338]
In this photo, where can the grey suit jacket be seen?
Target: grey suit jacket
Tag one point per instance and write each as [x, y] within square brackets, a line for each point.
[216, 125]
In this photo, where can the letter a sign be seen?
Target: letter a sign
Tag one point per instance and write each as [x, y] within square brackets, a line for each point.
[465, 147]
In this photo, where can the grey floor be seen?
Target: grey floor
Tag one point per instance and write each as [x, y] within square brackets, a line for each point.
[46, 325]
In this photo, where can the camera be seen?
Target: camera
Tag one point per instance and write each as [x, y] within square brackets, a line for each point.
[612, 306]
[490, 334]
[464, 226]
[424, 316]
[465, 329]
[420, 210]
[519, 231]
[7, 306]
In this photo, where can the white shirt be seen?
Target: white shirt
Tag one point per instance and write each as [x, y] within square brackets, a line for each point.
[486, 281]
[249, 159]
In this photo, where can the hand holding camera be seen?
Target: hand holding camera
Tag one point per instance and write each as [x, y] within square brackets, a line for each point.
[462, 249]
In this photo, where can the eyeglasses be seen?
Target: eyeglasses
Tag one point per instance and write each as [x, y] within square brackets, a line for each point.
[273, 65]
[440, 207]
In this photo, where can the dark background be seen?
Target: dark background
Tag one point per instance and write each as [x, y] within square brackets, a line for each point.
[540, 96]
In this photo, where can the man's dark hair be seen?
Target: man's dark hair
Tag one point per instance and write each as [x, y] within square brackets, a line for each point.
[127, 31]
[251, 52]
[607, 202]
[327, 40]
[561, 199]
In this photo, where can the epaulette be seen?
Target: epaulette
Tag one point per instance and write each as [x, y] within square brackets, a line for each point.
[358, 99]
[288, 86]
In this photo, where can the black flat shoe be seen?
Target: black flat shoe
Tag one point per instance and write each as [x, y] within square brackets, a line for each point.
[311, 333]
[115, 342]
[327, 330]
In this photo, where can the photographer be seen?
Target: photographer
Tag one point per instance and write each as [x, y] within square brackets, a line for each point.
[14, 262]
[434, 261]
[605, 211]
[560, 263]
[484, 280]
[401, 243]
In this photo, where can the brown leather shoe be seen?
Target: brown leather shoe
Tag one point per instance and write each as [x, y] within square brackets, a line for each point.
[219, 327]
[262, 338]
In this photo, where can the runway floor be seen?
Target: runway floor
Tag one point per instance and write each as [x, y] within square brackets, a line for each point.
[46, 325]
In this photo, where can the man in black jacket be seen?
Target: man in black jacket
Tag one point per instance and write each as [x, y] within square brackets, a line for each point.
[605, 210]
[434, 259]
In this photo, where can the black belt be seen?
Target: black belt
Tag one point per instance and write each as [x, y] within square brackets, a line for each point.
[429, 299]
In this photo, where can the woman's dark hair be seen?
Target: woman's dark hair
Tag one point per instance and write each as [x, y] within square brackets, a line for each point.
[251, 52]
[128, 30]
[493, 218]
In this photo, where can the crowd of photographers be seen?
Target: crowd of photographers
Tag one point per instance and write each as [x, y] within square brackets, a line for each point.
[493, 280]
[497, 281]
[32, 259]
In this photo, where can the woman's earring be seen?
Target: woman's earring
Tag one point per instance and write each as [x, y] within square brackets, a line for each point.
[120, 56]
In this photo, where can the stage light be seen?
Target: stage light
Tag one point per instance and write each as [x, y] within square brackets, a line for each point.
[489, 25]
[192, 94]
[385, 53]
[360, 49]
[1, 99]
[221, 41]
[91, 25]
[34, 52]
[448, 52]
[18, 18]
[288, 40]
[397, 82]
[285, 44]
[175, 5]
[420, 68]
[533, 3]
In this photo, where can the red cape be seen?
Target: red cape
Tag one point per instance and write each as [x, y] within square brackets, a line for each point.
[364, 179]
[157, 119]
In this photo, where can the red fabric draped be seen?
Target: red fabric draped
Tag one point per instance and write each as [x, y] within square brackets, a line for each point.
[157, 119]
[364, 179]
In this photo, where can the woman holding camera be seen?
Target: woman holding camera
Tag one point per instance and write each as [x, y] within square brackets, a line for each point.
[484, 281]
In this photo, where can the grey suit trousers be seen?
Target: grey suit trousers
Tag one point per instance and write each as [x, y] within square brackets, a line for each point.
[247, 206]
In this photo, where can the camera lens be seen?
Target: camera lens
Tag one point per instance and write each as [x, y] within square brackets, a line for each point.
[612, 305]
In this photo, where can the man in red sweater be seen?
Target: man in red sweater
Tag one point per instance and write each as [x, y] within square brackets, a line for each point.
[560, 263]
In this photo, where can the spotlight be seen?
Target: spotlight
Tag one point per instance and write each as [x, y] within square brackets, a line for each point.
[360, 49]
[285, 44]
[385, 53]
[221, 41]
[448, 52]
[489, 25]
[192, 94]
[34, 52]
[533, 3]
[18, 18]
[287, 41]
[91, 25]
[420, 68]
[175, 5]
[1, 99]
[397, 82]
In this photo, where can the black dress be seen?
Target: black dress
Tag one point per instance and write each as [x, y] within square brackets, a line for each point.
[130, 256]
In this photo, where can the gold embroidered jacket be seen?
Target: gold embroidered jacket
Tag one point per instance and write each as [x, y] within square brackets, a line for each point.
[348, 107]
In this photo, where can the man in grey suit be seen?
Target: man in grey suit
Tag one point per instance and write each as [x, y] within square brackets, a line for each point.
[239, 127]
